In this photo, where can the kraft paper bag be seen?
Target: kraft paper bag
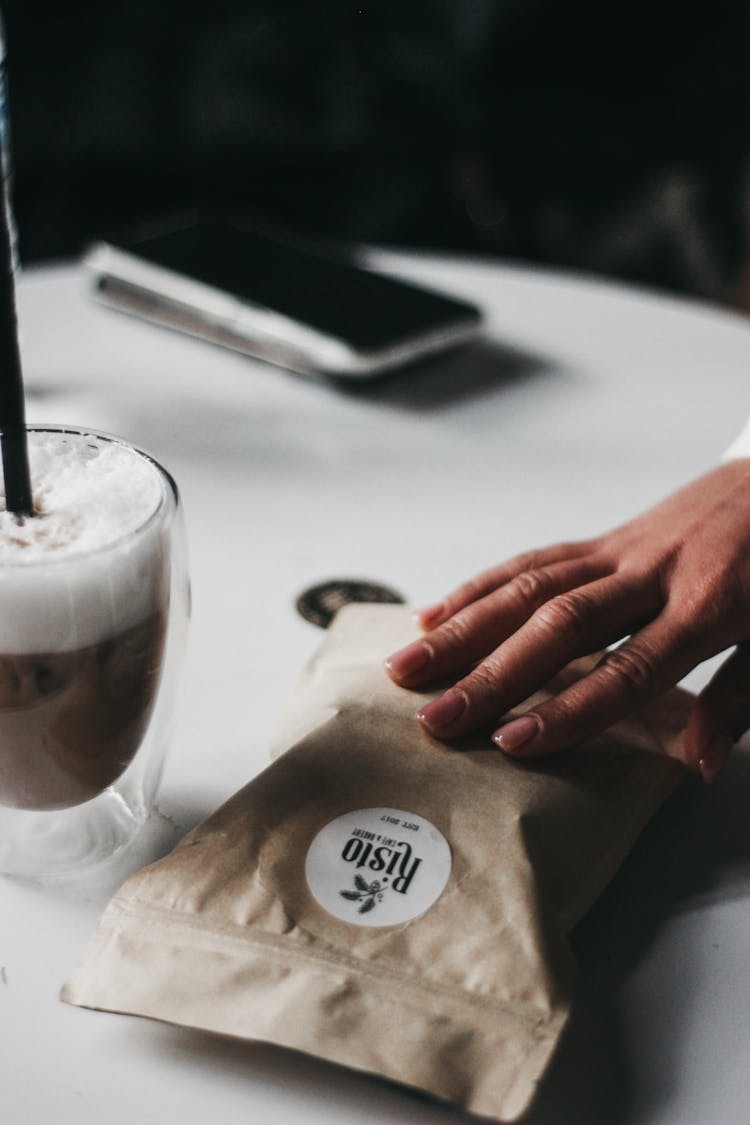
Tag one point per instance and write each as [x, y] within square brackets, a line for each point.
[380, 899]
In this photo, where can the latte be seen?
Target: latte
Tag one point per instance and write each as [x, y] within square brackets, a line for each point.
[84, 594]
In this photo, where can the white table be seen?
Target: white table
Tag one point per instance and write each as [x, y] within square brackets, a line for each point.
[585, 403]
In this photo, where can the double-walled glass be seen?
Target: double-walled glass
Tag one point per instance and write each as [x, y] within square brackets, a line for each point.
[91, 647]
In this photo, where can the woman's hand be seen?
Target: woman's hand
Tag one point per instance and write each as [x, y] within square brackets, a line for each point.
[675, 582]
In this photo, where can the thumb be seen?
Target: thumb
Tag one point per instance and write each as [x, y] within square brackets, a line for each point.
[720, 714]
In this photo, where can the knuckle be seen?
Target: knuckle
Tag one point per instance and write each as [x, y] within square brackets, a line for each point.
[461, 632]
[569, 613]
[531, 560]
[532, 587]
[485, 680]
[690, 617]
[712, 605]
[717, 597]
[454, 634]
[632, 667]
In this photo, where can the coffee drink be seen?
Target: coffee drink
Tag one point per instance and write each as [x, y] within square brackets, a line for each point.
[84, 598]
[70, 722]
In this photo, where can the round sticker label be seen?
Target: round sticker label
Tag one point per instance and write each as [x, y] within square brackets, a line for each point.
[378, 867]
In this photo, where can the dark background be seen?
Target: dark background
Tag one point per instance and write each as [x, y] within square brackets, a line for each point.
[606, 137]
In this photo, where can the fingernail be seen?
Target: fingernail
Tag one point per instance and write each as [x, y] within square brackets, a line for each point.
[713, 761]
[431, 616]
[443, 711]
[516, 733]
[409, 660]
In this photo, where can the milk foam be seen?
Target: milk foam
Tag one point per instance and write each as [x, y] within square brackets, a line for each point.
[81, 570]
[88, 492]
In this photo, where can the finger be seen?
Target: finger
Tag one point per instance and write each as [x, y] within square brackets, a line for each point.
[570, 625]
[646, 664]
[474, 632]
[497, 576]
[720, 714]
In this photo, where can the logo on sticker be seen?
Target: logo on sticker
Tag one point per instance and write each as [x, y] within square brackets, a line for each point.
[378, 867]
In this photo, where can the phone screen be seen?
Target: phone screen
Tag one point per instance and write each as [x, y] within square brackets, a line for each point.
[367, 310]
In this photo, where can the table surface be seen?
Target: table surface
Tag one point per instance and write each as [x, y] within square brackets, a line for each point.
[583, 403]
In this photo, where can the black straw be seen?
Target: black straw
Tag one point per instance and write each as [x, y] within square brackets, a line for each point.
[15, 455]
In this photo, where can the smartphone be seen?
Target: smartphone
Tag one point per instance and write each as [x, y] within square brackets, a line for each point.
[279, 300]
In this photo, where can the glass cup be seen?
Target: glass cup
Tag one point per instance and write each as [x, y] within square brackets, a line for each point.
[91, 647]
